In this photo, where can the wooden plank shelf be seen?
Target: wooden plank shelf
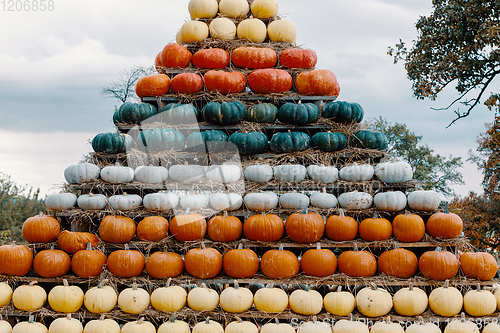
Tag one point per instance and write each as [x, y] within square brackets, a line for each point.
[244, 97]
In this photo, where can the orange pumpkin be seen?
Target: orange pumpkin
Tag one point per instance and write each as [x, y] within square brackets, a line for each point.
[400, 263]
[305, 227]
[318, 82]
[225, 82]
[357, 263]
[375, 229]
[203, 263]
[186, 83]
[152, 85]
[188, 227]
[254, 57]
[341, 228]
[72, 242]
[444, 225]
[438, 264]
[479, 265]
[163, 265]
[269, 80]
[117, 229]
[51, 263]
[264, 227]
[318, 262]
[241, 263]
[279, 264]
[15, 260]
[173, 55]
[126, 263]
[224, 228]
[88, 263]
[213, 58]
[298, 58]
[408, 228]
[41, 229]
[152, 228]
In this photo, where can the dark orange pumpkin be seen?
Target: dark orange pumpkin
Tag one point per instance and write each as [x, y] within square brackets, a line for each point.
[73, 241]
[163, 265]
[173, 55]
[152, 228]
[224, 228]
[305, 228]
[270, 80]
[375, 229]
[254, 57]
[51, 263]
[279, 264]
[318, 82]
[225, 82]
[152, 85]
[444, 225]
[341, 228]
[203, 263]
[357, 263]
[400, 263]
[318, 262]
[213, 58]
[241, 263]
[408, 228]
[298, 58]
[41, 229]
[126, 263]
[15, 260]
[479, 265]
[117, 229]
[188, 227]
[186, 83]
[264, 227]
[88, 263]
[438, 264]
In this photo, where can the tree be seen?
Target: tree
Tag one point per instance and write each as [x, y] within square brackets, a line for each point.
[457, 44]
[17, 203]
[432, 170]
[123, 89]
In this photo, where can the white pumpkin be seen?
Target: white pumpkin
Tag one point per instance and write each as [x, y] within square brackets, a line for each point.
[29, 326]
[479, 303]
[350, 326]
[357, 172]
[492, 327]
[125, 201]
[252, 29]
[186, 173]
[117, 174]
[241, 326]
[446, 301]
[102, 325]
[92, 201]
[203, 298]
[101, 298]
[236, 299]
[264, 8]
[355, 200]
[394, 172]
[226, 173]
[66, 325]
[234, 8]
[323, 174]
[277, 328]
[306, 302]
[270, 300]
[226, 201]
[461, 326]
[29, 297]
[140, 325]
[294, 201]
[420, 327]
[261, 201]
[339, 303]
[60, 201]
[161, 201]
[203, 8]
[314, 326]
[150, 174]
[168, 298]
[194, 31]
[194, 201]
[290, 173]
[5, 327]
[373, 302]
[222, 28]
[259, 173]
[133, 300]
[208, 326]
[5, 294]
[410, 301]
[387, 327]
[174, 326]
[323, 200]
[82, 173]
[282, 31]
[65, 298]
[424, 200]
[391, 201]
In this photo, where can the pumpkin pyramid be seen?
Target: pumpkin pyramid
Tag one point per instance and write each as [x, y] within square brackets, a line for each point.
[240, 196]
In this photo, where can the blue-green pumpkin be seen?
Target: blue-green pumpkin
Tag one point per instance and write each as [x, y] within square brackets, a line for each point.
[200, 138]
[179, 113]
[225, 113]
[329, 141]
[112, 143]
[369, 140]
[290, 142]
[134, 113]
[343, 112]
[262, 113]
[160, 139]
[298, 114]
[249, 142]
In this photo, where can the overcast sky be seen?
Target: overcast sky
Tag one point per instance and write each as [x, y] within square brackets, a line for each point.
[54, 64]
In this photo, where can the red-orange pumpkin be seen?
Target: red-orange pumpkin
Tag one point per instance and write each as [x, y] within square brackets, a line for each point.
[152, 85]
[318, 262]
[203, 263]
[444, 225]
[479, 265]
[186, 83]
[264, 227]
[298, 58]
[41, 229]
[51, 263]
[73, 241]
[305, 228]
[163, 265]
[438, 265]
[188, 227]
[279, 264]
[241, 263]
[213, 58]
[15, 260]
[173, 55]
[269, 80]
[357, 263]
[117, 229]
[224, 228]
[126, 263]
[341, 228]
[400, 263]
[152, 228]
[318, 82]
[225, 82]
[88, 263]
[375, 229]
[408, 228]
[254, 57]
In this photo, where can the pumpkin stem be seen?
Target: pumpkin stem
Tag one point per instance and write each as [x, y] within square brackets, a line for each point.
[65, 283]
[314, 319]
[410, 287]
[462, 318]
[40, 214]
[139, 322]
[438, 249]
[318, 246]
[238, 319]
[68, 316]
[324, 189]
[168, 282]
[225, 213]
[236, 285]
[126, 247]
[202, 246]
[306, 288]
[187, 211]
[270, 286]
[89, 246]
[478, 287]
[373, 286]
[101, 284]
[203, 285]
[32, 283]
[172, 319]
[240, 246]
[277, 321]
[101, 318]
[446, 284]
[134, 286]
[341, 212]
[355, 247]
[207, 321]
[31, 319]
[446, 208]
[281, 247]
[339, 289]
[52, 247]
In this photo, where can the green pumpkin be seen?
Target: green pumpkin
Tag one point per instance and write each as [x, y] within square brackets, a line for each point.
[112, 143]
[298, 114]
[200, 139]
[368, 139]
[250, 142]
[289, 142]
[160, 139]
[225, 113]
[343, 112]
[328, 141]
[178, 113]
[134, 113]
[262, 113]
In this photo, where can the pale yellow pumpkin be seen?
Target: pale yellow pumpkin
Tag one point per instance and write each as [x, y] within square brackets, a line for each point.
[222, 28]
[101, 298]
[139, 326]
[270, 300]
[203, 298]
[282, 31]
[410, 301]
[236, 299]
[133, 300]
[373, 302]
[203, 8]
[386, 327]
[420, 327]
[66, 298]
[306, 302]
[194, 31]
[5, 327]
[264, 8]
[496, 293]
[5, 294]
[350, 326]
[66, 325]
[241, 327]
[234, 8]
[479, 303]
[174, 326]
[29, 326]
[178, 37]
[314, 326]
[339, 303]
[29, 297]
[252, 29]
[446, 301]
[277, 328]
[492, 327]
[208, 326]
[168, 298]
[461, 326]
[102, 325]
